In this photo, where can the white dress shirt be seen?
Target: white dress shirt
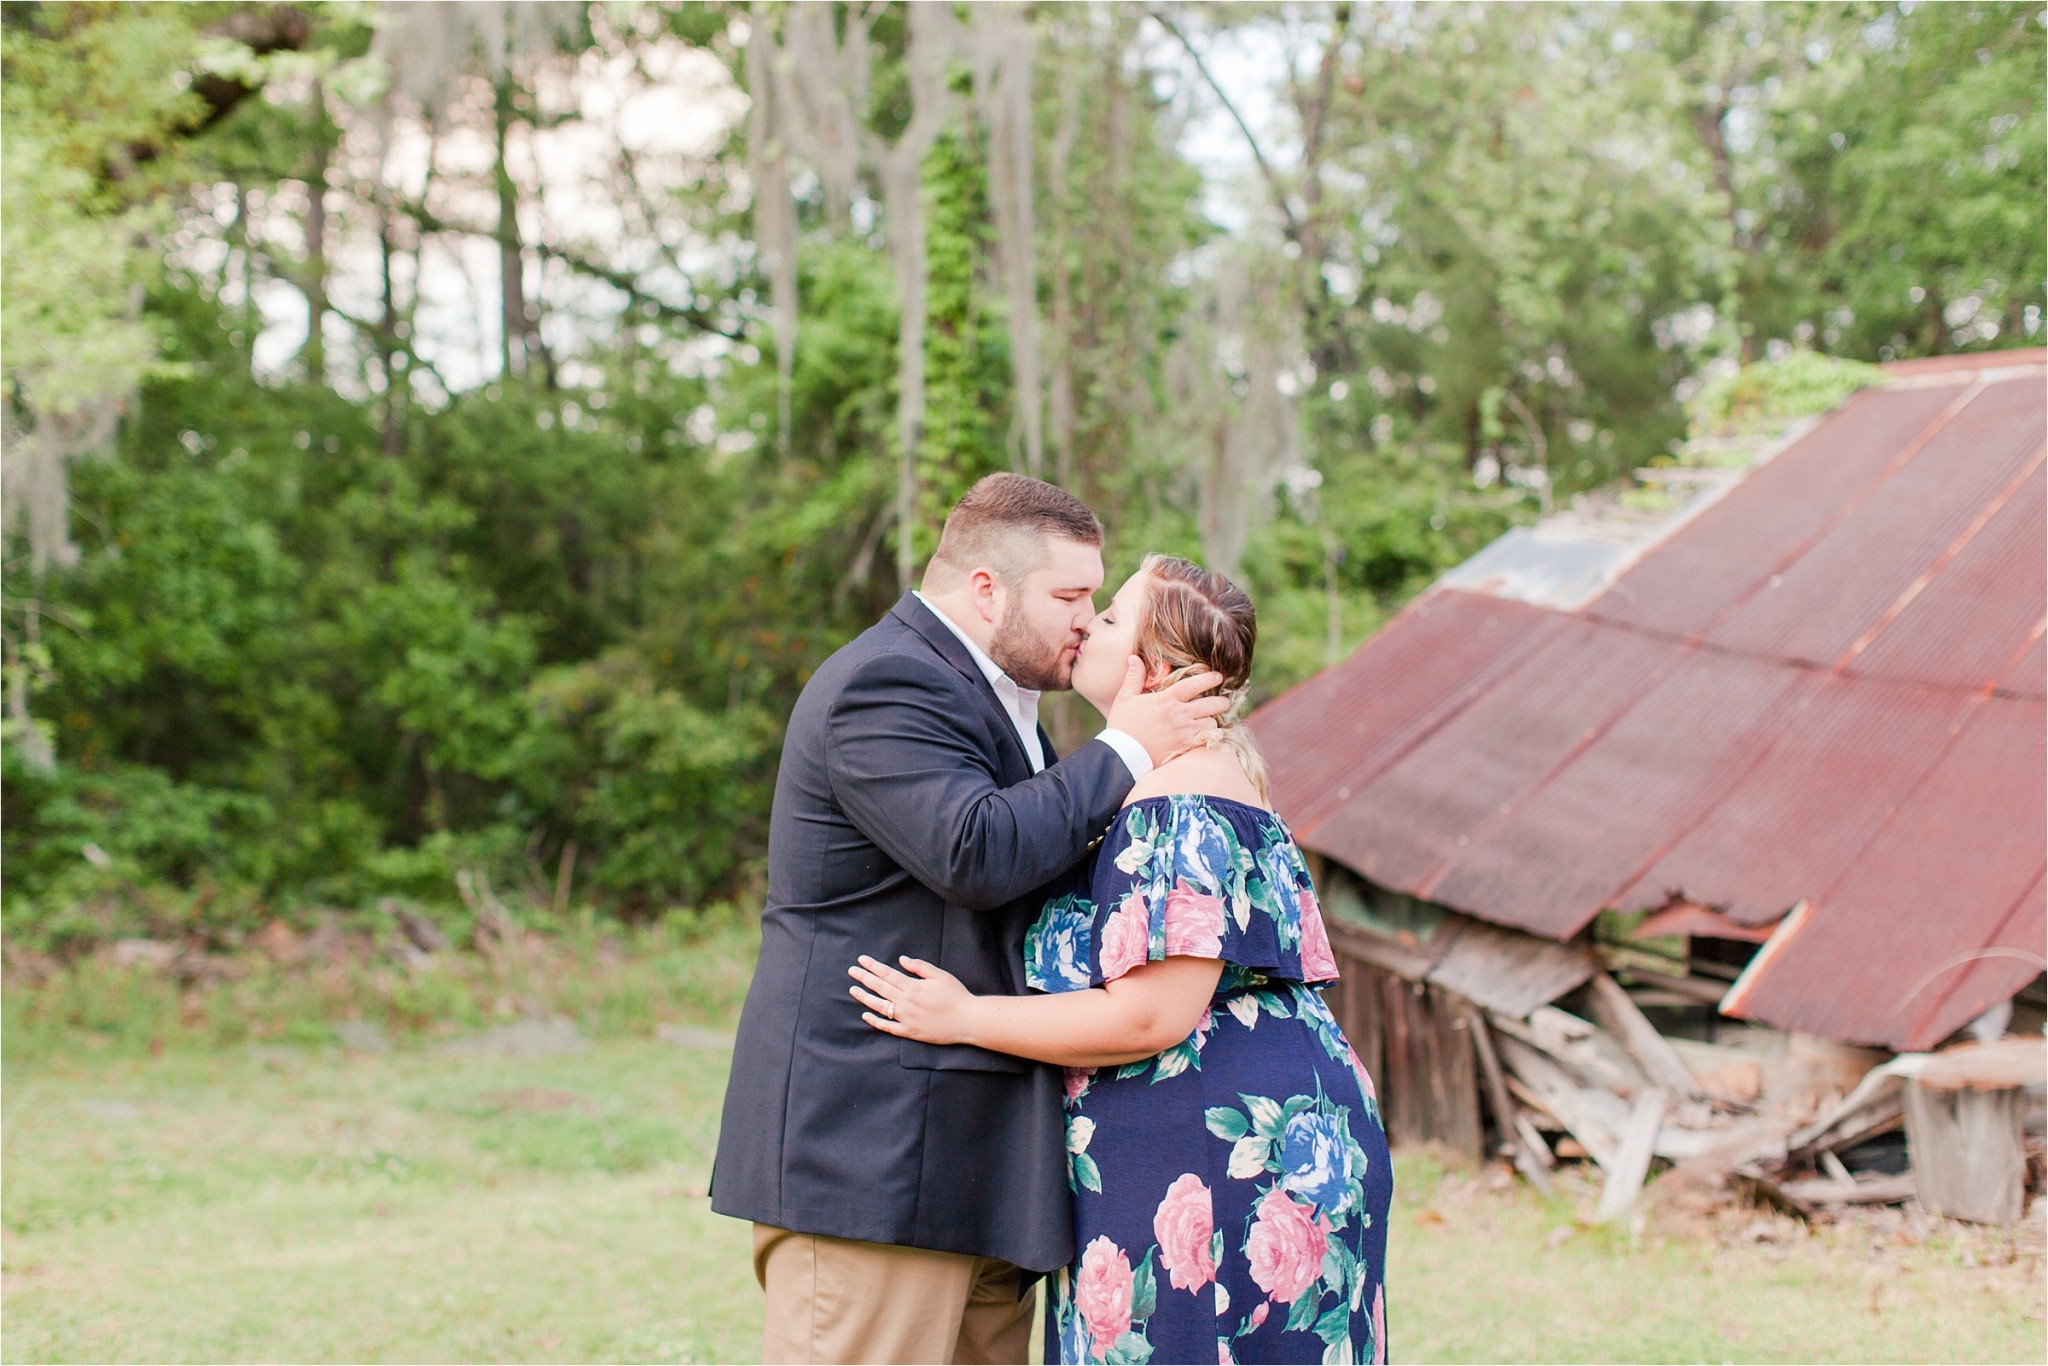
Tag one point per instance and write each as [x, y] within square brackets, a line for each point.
[1021, 705]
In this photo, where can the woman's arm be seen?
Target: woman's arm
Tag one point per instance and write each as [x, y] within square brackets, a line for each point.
[1147, 1009]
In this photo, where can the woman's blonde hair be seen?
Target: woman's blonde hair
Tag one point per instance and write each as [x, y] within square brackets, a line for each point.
[1197, 620]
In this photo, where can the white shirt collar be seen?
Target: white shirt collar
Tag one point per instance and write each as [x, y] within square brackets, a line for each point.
[1020, 703]
[990, 670]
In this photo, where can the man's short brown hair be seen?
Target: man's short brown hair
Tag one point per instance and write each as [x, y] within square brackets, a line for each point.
[1002, 522]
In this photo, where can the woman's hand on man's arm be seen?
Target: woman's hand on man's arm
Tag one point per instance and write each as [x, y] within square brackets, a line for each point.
[1148, 1009]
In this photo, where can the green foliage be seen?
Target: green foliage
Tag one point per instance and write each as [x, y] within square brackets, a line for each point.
[1915, 209]
[669, 797]
[300, 671]
[616, 981]
[88, 110]
[1767, 395]
[966, 361]
[1525, 233]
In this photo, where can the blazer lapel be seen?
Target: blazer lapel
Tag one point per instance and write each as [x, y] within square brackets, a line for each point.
[926, 623]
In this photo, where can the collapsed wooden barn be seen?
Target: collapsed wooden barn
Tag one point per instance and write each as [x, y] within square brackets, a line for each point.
[1797, 717]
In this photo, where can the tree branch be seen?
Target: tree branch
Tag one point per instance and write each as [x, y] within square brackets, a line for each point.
[701, 319]
[1158, 15]
[1316, 116]
[263, 30]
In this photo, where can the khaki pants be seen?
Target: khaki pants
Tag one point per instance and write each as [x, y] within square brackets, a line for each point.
[836, 1300]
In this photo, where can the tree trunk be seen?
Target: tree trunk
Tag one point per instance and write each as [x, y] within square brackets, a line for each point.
[1060, 395]
[387, 342]
[511, 259]
[316, 243]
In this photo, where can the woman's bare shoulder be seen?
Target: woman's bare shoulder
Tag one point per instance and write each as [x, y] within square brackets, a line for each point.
[1203, 772]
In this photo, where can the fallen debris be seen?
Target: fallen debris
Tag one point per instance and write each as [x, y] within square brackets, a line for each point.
[1617, 1053]
[1659, 1061]
[1632, 1162]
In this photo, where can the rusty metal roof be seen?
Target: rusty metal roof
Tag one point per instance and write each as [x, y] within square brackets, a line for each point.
[1822, 686]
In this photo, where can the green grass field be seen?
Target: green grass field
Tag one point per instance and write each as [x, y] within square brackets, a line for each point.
[523, 1194]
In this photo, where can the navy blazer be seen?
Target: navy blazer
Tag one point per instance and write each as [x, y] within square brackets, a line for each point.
[906, 820]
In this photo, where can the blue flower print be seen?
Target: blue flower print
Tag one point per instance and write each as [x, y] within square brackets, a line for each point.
[1283, 892]
[1204, 851]
[1074, 1340]
[1056, 953]
[1315, 1155]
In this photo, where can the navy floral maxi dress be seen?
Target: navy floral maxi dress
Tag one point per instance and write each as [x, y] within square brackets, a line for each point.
[1231, 1192]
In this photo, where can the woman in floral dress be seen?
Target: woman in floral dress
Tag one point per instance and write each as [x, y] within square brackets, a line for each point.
[1229, 1167]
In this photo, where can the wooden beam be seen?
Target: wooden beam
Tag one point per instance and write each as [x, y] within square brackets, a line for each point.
[1411, 965]
[1968, 1157]
[1881, 1190]
[1691, 988]
[1562, 1099]
[1846, 1131]
[1505, 1116]
[1651, 1050]
[1571, 1043]
[1632, 1163]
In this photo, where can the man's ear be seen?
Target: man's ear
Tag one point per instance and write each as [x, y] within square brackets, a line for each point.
[986, 592]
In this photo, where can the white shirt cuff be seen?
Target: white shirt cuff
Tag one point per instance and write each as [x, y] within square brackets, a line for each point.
[1130, 751]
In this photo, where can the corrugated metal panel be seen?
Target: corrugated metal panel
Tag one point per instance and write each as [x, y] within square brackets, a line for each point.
[1615, 806]
[1530, 565]
[1850, 579]
[1686, 583]
[1969, 360]
[1341, 727]
[1698, 734]
[1942, 878]
[1845, 759]
[2029, 676]
[1973, 616]
[1957, 995]
[1408, 824]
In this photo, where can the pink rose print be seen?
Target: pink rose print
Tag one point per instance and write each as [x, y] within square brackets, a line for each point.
[1126, 937]
[1258, 1315]
[1194, 923]
[1078, 1079]
[1318, 964]
[1103, 1292]
[1379, 1325]
[1364, 1077]
[1286, 1247]
[1223, 1357]
[1183, 1223]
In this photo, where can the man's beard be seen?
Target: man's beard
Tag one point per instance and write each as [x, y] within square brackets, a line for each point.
[1029, 661]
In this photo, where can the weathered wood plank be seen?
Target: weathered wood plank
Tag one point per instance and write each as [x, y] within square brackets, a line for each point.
[1378, 951]
[1652, 1052]
[1563, 1099]
[1581, 1048]
[1531, 1158]
[1968, 1154]
[1506, 971]
[1632, 1162]
[1881, 1190]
